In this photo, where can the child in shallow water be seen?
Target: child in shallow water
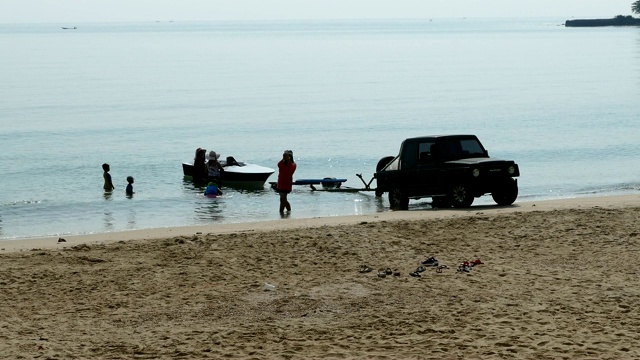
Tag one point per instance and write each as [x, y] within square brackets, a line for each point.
[212, 190]
[129, 189]
[108, 184]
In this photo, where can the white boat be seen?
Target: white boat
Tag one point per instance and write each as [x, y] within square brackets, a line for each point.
[237, 174]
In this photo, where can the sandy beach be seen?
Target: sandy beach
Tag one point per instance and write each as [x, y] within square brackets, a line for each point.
[557, 280]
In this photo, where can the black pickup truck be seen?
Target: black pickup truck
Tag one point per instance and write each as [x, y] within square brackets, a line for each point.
[451, 169]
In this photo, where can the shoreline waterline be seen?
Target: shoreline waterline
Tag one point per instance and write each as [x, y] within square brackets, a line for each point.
[616, 201]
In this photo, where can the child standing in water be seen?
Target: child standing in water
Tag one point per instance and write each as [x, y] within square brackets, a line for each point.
[108, 184]
[212, 190]
[129, 189]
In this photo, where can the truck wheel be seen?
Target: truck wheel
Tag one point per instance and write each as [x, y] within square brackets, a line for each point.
[440, 202]
[460, 196]
[507, 193]
[384, 162]
[397, 199]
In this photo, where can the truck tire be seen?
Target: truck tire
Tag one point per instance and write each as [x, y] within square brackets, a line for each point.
[397, 199]
[460, 196]
[507, 193]
[384, 162]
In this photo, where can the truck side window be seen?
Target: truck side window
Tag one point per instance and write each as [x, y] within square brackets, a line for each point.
[424, 152]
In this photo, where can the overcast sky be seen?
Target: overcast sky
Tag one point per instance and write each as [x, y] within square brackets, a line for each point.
[77, 11]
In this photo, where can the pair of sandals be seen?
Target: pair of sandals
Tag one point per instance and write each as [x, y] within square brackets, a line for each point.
[420, 269]
[364, 268]
[467, 266]
[388, 272]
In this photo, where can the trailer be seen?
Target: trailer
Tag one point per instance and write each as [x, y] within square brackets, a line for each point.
[330, 184]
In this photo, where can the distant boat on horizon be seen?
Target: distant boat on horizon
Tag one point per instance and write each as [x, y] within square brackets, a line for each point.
[69, 28]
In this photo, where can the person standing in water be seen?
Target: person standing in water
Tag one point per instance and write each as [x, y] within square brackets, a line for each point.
[286, 168]
[129, 189]
[108, 184]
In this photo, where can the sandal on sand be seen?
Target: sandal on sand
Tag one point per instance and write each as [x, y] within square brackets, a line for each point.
[429, 262]
[396, 272]
[464, 267]
[415, 274]
[420, 269]
[477, 262]
[441, 267]
[382, 273]
[364, 268]
[388, 271]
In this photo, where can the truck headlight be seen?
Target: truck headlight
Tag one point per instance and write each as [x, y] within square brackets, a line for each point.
[476, 172]
[512, 170]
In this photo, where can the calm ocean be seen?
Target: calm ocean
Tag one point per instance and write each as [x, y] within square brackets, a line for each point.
[562, 102]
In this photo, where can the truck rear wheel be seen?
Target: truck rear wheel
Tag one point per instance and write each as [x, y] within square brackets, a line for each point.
[507, 193]
[398, 199]
[460, 196]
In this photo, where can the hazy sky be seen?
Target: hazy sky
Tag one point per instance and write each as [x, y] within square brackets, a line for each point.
[77, 11]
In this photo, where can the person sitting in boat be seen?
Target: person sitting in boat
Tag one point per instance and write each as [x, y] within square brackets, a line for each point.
[200, 173]
[212, 190]
[214, 168]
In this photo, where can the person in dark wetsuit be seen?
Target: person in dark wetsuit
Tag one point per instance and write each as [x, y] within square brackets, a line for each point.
[199, 166]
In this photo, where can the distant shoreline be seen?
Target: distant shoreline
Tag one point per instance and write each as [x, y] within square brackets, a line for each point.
[616, 21]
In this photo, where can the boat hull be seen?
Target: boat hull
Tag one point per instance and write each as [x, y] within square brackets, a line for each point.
[245, 176]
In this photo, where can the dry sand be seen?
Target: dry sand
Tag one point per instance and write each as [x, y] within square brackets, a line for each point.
[560, 280]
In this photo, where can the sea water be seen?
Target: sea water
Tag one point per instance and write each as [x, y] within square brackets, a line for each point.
[561, 102]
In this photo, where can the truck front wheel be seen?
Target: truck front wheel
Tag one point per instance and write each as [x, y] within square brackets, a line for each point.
[460, 196]
[397, 199]
[507, 193]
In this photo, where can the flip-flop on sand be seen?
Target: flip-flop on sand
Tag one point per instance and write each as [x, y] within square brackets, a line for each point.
[364, 268]
[464, 267]
[415, 274]
[388, 271]
[420, 269]
[477, 262]
[396, 272]
[382, 273]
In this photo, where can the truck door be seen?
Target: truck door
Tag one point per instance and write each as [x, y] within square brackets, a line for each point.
[430, 172]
